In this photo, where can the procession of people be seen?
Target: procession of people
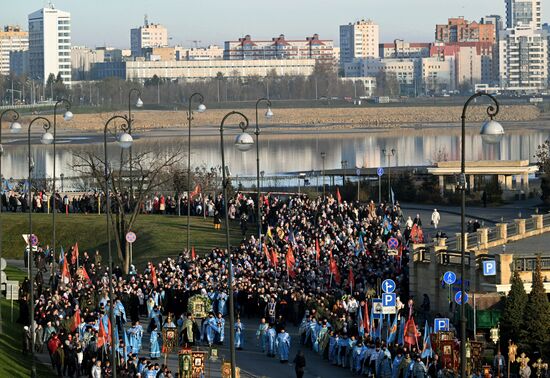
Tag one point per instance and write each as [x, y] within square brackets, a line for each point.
[316, 268]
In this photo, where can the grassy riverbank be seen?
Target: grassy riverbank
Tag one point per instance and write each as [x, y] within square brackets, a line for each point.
[158, 236]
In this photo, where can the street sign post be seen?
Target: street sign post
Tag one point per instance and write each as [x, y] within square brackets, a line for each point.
[393, 243]
[441, 324]
[380, 172]
[131, 238]
[449, 278]
[458, 297]
[489, 268]
[388, 286]
[388, 299]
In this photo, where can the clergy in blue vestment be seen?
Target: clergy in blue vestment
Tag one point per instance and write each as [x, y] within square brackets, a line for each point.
[239, 335]
[135, 333]
[283, 345]
[154, 340]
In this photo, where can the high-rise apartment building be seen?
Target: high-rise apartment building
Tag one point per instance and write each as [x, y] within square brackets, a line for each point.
[494, 20]
[523, 59]
[523, 13]
[148, 35]
[12, 38]
[50, 44]
[460, 30]
[359, 40]
[279, 48]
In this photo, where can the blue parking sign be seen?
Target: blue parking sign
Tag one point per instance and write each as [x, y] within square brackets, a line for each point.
[388, 299]
[489, 268]
[441, 324]
[380, 171]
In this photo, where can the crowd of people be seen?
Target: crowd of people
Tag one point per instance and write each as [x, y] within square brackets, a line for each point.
[317, 266]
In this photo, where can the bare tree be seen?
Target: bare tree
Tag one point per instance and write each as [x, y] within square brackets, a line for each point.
[149, 174]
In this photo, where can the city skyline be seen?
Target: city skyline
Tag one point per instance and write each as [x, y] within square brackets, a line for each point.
[418, 26]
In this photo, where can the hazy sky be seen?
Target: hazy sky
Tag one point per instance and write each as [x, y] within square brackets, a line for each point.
[108, 22]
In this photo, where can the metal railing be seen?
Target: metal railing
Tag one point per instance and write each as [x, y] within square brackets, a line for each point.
[493, 235]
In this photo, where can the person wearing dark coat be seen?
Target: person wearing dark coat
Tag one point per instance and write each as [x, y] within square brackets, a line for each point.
[299, 364]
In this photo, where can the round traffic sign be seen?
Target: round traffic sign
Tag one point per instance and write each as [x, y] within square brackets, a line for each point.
[130, 237]
[358, 171]
[449, 278]
[458, 297]
[34, 240]
[393, 243]
[388, 286]
[380, 171]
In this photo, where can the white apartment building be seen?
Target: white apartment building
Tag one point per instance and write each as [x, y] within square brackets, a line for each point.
[523, 59]
[148, 35]
[438, 75]
[82, 59]
[50, 44]
[359, 40]
[523, 13]
[12, 38]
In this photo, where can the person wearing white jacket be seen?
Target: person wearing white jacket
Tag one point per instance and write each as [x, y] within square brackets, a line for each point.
[436, 217]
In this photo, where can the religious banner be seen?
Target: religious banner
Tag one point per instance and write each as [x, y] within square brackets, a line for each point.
[199, 359]
[185, 363]
[169, 339]
[199, 306]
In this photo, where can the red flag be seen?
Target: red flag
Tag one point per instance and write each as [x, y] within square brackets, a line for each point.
[101, 334]
[290, 262]
[154, 275]
[74, 257]
[411, 333]
[196, 191]
[76, 321]
[85, 274]
[334, 269]
[193, 255]
[317, 251]
[267, 255]
[65, 275]
[366, 320]
[351, 278]
[338, 196]
[274, 257]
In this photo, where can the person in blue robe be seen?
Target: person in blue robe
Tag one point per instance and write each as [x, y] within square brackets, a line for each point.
[283, 345]
[261, 335]
[220, 331]
[271, 336]
[135, 334]
[239, 334]
[222, 299]
[211, 327]
[154, 340]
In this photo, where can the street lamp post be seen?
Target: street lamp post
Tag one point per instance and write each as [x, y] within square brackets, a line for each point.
[125, 141]
[243, 142]
[491, 132]
[389, 154]
[201, 109]
[139, 104]
[323, 156]
[268, 115]
[45, 138]
[15, 127]
[67, 117]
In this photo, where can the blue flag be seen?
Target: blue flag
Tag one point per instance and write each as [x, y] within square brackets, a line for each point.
[361, 328]
[401, 333]
[427, 348]
[393, 331]
[61, 256]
